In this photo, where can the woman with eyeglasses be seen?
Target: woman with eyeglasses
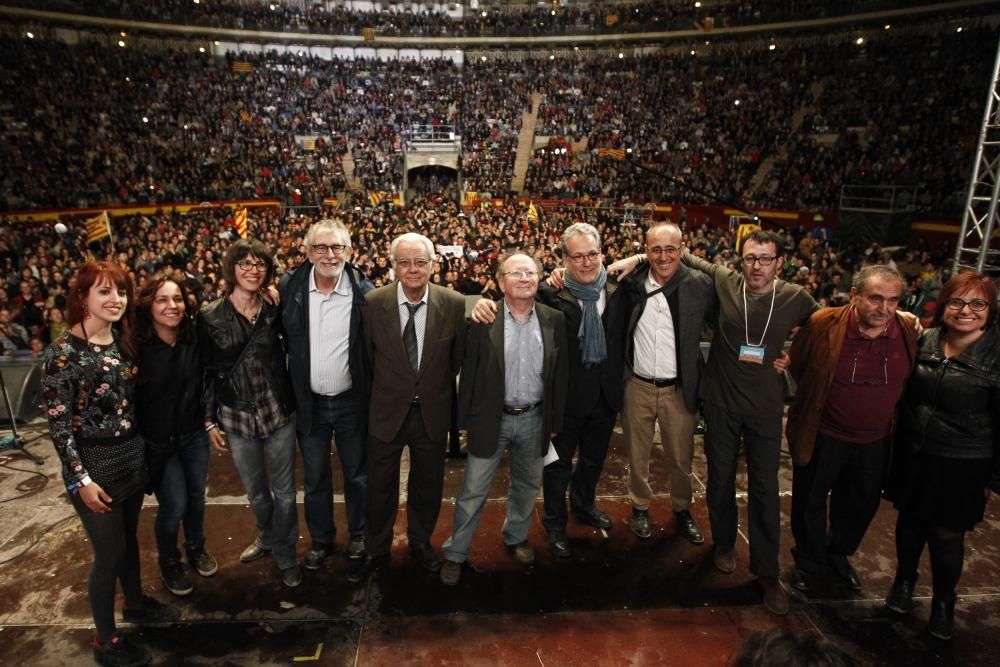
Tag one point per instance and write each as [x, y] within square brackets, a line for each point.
[247, 395]
[947, 451]
[168, 403]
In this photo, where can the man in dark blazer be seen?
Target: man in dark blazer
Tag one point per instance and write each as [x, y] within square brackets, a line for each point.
[668, 306]
[414, 334]
[321, 308]
[595, 322]
[512, 396]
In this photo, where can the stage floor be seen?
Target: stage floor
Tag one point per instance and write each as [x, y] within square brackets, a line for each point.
[619, 600]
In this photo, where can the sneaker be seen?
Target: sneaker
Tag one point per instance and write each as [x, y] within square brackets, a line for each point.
[253, 552]
[451, 572]
[291, 576]
[522, 552]
[203, 563]
[639, 523]
[175, 579]
[151, 611]
[120, 652]
[356, 547]
[316, 555]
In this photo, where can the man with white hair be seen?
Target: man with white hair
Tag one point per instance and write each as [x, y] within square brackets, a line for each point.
[414, 334]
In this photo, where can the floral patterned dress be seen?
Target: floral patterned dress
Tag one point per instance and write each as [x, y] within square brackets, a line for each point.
[93, 385]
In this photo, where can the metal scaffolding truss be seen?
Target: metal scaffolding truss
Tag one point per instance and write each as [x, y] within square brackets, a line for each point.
[978, 244]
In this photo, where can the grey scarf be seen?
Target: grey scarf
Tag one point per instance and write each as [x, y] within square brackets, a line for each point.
[593, 346]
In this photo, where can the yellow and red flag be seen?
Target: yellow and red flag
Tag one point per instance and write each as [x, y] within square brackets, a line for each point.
[241, 223]
[613, 153]
[98, 227]
[532, 213]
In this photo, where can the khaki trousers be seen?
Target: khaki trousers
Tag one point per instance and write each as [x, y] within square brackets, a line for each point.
[644, 405]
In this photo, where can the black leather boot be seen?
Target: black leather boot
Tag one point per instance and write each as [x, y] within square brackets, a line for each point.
[942, 623]
[900, 597]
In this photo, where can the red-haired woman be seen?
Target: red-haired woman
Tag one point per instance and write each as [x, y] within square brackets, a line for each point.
[88, 384]
[947, 443]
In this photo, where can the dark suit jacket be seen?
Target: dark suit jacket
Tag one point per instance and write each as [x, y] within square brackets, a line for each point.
[394, 384]
[692, 299]
[481, 390]
[294, 289]
[587, 384]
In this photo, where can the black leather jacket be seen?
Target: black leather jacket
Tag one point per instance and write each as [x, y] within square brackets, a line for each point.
[951, 407]
[222, 338]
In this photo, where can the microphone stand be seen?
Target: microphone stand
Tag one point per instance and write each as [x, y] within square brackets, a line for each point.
[16, 442]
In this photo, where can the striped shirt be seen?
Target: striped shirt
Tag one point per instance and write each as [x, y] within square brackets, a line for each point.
[523, 353]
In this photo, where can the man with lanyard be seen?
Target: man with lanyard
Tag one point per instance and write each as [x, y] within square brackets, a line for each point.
[744, 399]
[851, 365]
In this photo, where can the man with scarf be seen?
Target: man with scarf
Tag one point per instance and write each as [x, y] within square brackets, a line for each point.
[595, 325]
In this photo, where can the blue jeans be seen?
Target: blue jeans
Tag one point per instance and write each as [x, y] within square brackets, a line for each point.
[522, 435]
[273, 505]
[338, 417]
[181, 495]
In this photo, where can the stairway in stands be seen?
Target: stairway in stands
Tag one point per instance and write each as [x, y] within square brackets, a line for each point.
[525, 143]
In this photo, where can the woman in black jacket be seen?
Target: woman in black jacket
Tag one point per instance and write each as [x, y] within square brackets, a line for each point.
[947, 444]
[248, 394]
[168, 404]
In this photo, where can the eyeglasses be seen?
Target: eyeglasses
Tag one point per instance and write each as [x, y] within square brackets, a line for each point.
[665, 250]
[420, 263]
[336, 248]
[522, 274]
[763, 260]
[250, 265]
[976, 305]
[580, 257]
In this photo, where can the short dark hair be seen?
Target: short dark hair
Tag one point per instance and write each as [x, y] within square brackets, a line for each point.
[241, 250]
[760, 236]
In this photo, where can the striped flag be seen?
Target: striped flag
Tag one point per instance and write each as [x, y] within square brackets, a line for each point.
[532, 213]
[613, 153]
[98, 227]
[745, 229]
[241, 223]
[376, 198]
[241, 67]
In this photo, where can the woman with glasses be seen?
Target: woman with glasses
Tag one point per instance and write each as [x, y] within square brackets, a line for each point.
[947, 444]
[168, 403]
[248, 396]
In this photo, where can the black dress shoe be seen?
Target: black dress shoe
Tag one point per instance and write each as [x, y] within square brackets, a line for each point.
[360, 569]
[800, 580]
[426, 557]
[845, 572]
[689, 529]
[559, 545]
[900, 597]
[594, 517]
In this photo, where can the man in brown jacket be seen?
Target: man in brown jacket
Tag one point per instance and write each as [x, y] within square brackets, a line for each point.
[850, 364]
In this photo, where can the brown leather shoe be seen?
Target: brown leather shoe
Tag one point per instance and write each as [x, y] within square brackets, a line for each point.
[724, 559]
[775, 597]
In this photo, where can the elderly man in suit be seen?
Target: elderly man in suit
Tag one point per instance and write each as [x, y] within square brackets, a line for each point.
[512, 396]
[668, 306]
[414, 333]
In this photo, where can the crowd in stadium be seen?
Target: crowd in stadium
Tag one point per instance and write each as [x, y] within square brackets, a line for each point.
[432, 19]
[783, 128]
[37, 261]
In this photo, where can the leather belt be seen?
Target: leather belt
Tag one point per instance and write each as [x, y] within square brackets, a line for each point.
[669, 382]
[519, 410]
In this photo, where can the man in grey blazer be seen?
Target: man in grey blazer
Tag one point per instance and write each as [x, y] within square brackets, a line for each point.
[512, 396]
[414, 333]
[668, 306]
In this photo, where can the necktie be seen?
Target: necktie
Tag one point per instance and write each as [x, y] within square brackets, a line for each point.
[410, 336]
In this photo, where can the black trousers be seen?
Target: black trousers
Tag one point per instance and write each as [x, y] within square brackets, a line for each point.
[852, 475]
[590, 437]
[762, 438]
[423, 491]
